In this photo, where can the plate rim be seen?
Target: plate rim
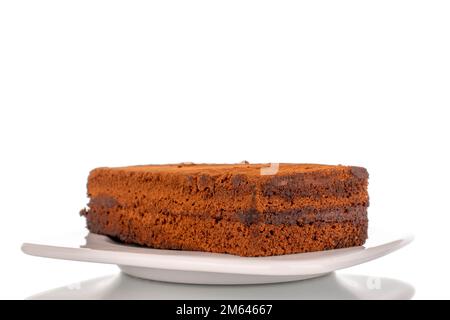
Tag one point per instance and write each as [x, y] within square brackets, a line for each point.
[196, 261]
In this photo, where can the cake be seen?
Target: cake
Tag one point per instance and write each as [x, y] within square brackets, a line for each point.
[241, 209]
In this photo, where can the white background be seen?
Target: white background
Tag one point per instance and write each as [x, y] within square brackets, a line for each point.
[106, 83]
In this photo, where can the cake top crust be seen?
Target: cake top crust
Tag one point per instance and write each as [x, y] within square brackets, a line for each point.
[240, 168]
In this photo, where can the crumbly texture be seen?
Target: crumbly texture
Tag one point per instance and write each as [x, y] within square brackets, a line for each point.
[231, 208]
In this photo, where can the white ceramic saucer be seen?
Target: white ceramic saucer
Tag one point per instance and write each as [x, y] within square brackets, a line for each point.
[212, 268]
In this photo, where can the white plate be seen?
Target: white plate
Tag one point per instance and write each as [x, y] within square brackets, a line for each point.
[213, 268]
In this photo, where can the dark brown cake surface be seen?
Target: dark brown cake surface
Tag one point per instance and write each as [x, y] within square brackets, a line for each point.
[242, 209]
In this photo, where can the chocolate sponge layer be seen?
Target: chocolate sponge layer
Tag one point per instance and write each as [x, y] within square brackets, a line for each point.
[231, 208]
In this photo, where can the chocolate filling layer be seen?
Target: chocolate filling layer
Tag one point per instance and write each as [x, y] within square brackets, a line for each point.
[300, 216]
[304, 215]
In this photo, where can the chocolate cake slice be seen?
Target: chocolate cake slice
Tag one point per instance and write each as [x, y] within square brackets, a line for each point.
[242, 209]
